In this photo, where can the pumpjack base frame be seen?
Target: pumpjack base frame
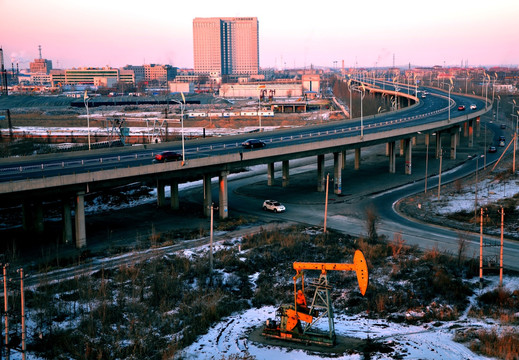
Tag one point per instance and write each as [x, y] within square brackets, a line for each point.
[305, 338]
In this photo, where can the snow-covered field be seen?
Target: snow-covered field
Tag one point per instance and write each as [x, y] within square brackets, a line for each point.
[426, 341]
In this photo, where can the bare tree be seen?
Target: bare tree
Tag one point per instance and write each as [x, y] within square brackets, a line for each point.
[462, 246]
[371, 224]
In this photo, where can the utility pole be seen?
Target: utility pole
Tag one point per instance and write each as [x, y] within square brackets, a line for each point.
[481, 250]
[476, 192]
[24, 332]
[6, 328]
[211, 246]
[502, 212]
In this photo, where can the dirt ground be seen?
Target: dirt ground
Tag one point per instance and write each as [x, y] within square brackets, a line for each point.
[344, 345]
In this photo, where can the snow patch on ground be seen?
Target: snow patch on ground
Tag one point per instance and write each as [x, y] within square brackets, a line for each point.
[488, 191]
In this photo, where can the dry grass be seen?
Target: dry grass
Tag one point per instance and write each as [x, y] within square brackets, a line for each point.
[153, 309]
[500, 343]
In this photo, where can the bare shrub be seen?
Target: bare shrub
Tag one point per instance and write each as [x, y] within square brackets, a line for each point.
[458, 186]
[503, 344]
[371, 225]
[397, 245]
[500, 304]
[462, 246]
[432, 254]
[374, 254]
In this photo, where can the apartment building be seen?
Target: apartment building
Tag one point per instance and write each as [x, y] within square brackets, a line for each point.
[90, 76]
[149, 72]
[40, 66]
[226, 46]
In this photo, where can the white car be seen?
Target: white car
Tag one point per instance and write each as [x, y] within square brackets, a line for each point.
[473, 107]
[273, 205]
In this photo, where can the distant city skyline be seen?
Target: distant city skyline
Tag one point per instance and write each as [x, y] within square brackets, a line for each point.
[291, 34]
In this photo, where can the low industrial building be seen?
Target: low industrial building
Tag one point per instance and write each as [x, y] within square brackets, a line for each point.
[264, 90]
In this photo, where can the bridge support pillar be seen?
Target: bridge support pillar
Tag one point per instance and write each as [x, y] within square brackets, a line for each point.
[343, 153]
[438, 144]
[26, 216]
[38, 217]
[32, 216]
[161, 194]
[478, 127]
[80, 220]
[173, 186]
[471, 133]
[388, 151]
[357, 159]
[67, 221]
[454, 141]
[402, 147]
[223, 206]
[208, 196]
[286, 173]
[270, 174]
[413, 140]
[320, 173]
[408, 155]
[337, 173]
[391, 146]
[465, 129]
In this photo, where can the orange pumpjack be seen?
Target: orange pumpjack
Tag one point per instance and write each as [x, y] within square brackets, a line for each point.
[290, 318]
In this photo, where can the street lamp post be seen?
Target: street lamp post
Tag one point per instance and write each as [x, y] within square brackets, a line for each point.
[497, 112]
[485, 153]
[362, 92]
[451, 86]
[260, 87]
[86, 99]
[182, 106]
[486, 81]
[449, 103]
[351, 109]
[515, 138]
[428, 139]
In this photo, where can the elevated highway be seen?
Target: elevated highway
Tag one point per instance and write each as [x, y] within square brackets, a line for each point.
[34, 180]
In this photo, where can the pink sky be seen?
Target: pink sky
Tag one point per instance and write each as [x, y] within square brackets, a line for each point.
[303, 33]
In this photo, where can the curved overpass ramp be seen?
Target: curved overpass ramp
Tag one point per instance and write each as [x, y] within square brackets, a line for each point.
[73, 176]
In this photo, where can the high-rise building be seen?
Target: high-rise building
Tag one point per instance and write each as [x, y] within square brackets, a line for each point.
[226, 46]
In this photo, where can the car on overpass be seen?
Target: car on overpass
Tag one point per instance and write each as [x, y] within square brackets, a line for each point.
[166, 156]
[252, 143]
[473, 107]
[461, 107]
[492, 149]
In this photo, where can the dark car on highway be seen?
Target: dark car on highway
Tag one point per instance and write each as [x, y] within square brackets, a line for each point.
[167, 156]
[492, 149]
[252, 143]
